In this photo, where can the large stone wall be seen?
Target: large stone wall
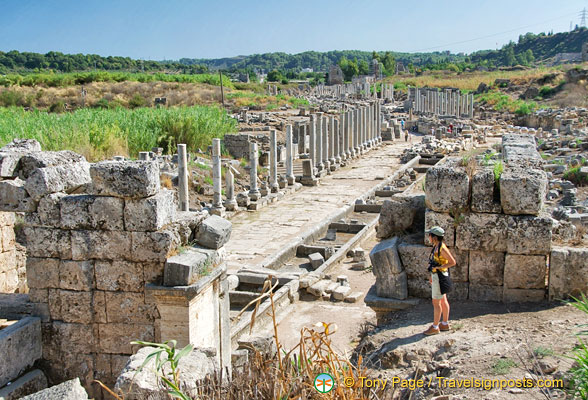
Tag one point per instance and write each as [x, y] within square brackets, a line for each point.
[495, 229]
[96, 236]
[12, 273]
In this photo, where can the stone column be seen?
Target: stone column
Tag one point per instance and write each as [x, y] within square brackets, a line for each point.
[351, 134]
[217, 204]
[144, 155]
[230, 202]
[344, 137]
[254, 193]
[332, 140]
[356, 133]
[183, 193]
[325, 142]
[458, 111]
[289, 156]
[364, 121]
[471, 111]
[337, 148]
[319, 142]
[379, 134]
[312, 140]
[274, 186]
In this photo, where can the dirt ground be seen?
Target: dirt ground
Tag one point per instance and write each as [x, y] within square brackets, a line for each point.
[488, 341]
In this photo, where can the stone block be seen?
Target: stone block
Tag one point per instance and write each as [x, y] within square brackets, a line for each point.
[128, 307]
[568, 272]
[14, 197]
[481, 232]
[153, 246]
[340, 292]
[151, 213]
[524, 272]
[186, 268]
[70, 306]
[461, 291]
[485, 292]
[101, 245]
[529, 235]
[22, 146]
[319, 289]
[92, 212]
[8, 164]
[20, 348]
[32, 161]
[49, 211]
[70, 337]
[522, 191]
[76, 275]
[214, 232]
[7, 238]
[49, 243]
[42, 272]
[460, 271]
[127, 179]
[485, 194]
[486, 268]
[391, 279]
[116, 338]
[99, 306]
[31, 382]
[153, 272]
[69, 390]
[60, 178]
[445, 221]
[415, 259]
[7, 219]
[523, 295]
[447, 187]
[396, 215]
[139, 382]
[419, 288]
[119, 276]
[316, 260]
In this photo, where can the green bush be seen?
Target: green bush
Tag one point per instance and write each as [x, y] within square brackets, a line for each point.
[57, 107]
[138, 101]
[9, 98]
[579, 370]
[575, 176]
[546, 91]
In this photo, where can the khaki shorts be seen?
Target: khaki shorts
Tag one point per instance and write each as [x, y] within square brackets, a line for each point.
[435, 289]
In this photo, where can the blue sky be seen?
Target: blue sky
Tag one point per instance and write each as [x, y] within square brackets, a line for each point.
[172, 29]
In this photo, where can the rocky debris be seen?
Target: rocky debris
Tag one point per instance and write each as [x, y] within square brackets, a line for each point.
[68, 390]
[432, 146]
[137, 383]
[391, 279]
[316, 260]
[129, 179]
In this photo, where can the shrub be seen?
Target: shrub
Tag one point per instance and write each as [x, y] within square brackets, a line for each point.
[9, 98]
[575, 176]
[57, 107]
[138, 101]
[579, 370]
[546, 91]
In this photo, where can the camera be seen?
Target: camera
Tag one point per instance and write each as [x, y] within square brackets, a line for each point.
[433, 264]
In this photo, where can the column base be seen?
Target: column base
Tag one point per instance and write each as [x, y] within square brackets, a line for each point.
[231, 205]
[219, 211]
[255, 195]
[291, 180]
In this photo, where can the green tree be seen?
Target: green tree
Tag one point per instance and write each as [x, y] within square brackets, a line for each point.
[364, 67]
[389, 64]
[349, 68]
[274, 76]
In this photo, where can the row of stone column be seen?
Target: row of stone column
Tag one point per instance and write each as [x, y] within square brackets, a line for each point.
[332, 141]
[442, 102]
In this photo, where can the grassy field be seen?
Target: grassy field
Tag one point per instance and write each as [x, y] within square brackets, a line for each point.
[467, 81]
[82, 78]
[259, 101]
[99, 134]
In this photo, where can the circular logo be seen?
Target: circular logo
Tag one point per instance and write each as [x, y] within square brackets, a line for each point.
[324, 383]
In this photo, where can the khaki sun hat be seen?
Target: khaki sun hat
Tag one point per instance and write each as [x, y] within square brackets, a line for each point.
[437, 231]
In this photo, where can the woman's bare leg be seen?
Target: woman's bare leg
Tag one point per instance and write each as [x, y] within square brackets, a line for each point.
[437, 309]
[445, 308]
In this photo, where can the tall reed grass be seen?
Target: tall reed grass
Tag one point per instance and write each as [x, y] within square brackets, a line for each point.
[99, 134]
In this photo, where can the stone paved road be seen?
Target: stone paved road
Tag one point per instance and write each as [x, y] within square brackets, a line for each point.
[257, 235]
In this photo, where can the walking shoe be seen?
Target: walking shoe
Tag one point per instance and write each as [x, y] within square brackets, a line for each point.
[444, 327]
[431, 331]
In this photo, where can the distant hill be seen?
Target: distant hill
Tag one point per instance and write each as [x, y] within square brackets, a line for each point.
[529, 49]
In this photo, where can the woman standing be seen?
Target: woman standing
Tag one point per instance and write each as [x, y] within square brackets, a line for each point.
[440, 260]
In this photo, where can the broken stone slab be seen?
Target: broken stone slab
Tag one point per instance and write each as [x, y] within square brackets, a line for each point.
[353, 297]
[568, 272]
[387, 266]
[524, 271]
[214, 232]
[151, 213]
[91, 212]
[447, 187]
[305, 250]
[14, 197]
[316, 260]
[31, 382]
[8, 164]
[485, 197]
[186, 268]
[264, 344]
[340, 292]
[522, 191]
[396, 215]
[20, 348]
[319, 289]
[415, 260]
[22, 146]
[32, 161]
[68, 390]
[137, 383]
[61, 178]
[128, 179]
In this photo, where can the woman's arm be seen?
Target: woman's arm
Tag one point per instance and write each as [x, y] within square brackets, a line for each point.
[448, 256]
